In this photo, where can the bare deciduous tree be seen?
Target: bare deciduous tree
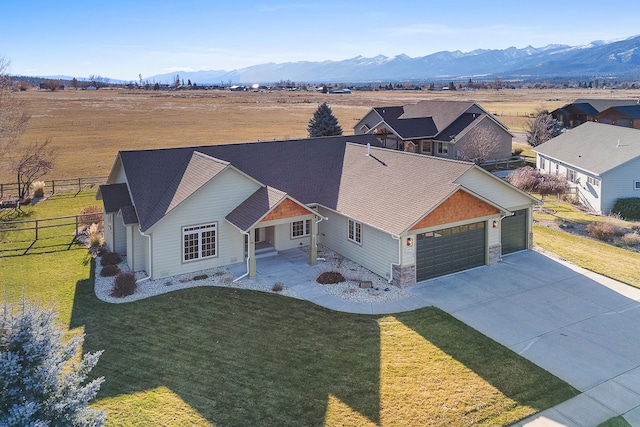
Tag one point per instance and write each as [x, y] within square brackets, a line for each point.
[542, 128]
[13, 118]
[484, 143]
[533, 181]
[31, 162]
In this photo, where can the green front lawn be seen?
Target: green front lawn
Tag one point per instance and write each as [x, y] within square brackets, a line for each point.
[222, 356]
[617, 263]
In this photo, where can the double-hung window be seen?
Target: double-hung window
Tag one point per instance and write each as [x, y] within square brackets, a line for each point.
[355, 231]
[199, 242]
[636, 185]
[571, 175]
[443, 148]
[300, 228]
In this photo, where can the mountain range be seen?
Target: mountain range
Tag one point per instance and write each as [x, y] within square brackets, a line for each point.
[618, 59]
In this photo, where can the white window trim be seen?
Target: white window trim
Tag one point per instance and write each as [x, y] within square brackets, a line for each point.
[353, 227]
[199, 229]
[306, 228]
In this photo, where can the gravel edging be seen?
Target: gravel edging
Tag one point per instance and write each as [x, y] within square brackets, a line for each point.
[349, 290]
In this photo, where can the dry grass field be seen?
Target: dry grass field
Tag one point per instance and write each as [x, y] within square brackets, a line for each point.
[89, 127]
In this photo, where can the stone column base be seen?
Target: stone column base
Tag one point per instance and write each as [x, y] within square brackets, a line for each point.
[404, 276]
[495, 254]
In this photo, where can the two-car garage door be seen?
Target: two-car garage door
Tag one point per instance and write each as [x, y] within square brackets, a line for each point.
[450, 250]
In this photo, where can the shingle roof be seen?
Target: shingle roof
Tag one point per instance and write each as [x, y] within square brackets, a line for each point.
[334, 172]
[594, 147]
[603, 104]
[442, 120]
[129, 215]
[631, 111]
[255, 207]
[184, 180]
[114, 197]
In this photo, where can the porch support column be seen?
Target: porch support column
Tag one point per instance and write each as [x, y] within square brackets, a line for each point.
[251, 253]
[313, 247]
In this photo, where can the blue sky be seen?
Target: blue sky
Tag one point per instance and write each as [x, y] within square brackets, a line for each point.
[121, 40]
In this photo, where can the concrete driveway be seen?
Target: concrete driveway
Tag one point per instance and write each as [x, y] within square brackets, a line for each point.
[580, 326]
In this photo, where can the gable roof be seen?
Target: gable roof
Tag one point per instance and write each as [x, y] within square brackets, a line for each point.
[256, 207]
[631, 111]
[594, 147]
[602, 104]
[114, 197]
[441, 120]
[335, 172]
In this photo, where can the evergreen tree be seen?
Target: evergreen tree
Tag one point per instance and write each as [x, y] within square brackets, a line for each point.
[323, 122]
[40, 383]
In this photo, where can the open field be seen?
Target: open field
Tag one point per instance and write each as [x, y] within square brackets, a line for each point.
[89, 127]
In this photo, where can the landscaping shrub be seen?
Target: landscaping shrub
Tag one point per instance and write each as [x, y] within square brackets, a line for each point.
[200, 277]
[628, 208]
[110, 258]
[91, 215]
[38, 189]
[124, 285]
[277, 287]
[631, 239]
[601, 230]
[109, 270]
[95, 236]
[330, 278]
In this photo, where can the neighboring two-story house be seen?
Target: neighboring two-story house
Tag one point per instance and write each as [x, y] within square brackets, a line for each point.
[585, 110]
[436, 128]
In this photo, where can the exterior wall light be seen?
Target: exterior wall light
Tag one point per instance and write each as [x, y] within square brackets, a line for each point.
[495, 223]
[409, 241]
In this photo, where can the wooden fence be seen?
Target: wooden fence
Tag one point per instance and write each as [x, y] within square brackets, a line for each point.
[33, 230]
[56, 185]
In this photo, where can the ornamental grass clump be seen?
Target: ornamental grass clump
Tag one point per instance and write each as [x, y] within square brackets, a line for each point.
[601, 230]
[95, 236]
[92, 214]
[124, 285]
[38, 189]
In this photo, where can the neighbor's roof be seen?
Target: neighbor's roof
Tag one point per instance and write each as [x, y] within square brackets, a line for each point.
[441, 120]
[335, 172]
[631, 111]
[603, 104]
[594, 147]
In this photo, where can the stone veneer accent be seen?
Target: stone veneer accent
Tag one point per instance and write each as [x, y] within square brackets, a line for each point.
[495, 253]
[404, 276]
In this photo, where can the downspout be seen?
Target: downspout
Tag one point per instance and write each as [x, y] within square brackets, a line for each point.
[246, 233]
[144, 279]
[393, 236]
[318, 222]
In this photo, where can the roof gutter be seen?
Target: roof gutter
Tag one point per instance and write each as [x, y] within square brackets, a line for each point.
[393, 236]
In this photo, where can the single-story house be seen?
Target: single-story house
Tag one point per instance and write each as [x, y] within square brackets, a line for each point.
[585, 110]
[404, 216]
[625, 115]
[601, 161]
[435, 128]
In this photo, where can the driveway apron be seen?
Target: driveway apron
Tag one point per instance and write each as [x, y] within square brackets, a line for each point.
[581, 327]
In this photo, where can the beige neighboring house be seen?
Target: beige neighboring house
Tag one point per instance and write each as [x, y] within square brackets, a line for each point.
[404, 216]
[435, 128]
[601, 161]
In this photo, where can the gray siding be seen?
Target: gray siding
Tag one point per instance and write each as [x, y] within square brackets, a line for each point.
[209, 204]
[371, 119]
[619, 183]
[494, 189]
[376, 253]
[119, 235]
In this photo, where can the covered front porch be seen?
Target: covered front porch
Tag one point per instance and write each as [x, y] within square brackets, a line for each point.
[271, 218]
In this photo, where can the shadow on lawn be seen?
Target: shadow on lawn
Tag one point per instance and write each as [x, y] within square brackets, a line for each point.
[237, 357]
[514, 376]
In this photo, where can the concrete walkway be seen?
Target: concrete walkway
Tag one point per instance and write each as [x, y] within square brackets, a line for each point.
[582, 327]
